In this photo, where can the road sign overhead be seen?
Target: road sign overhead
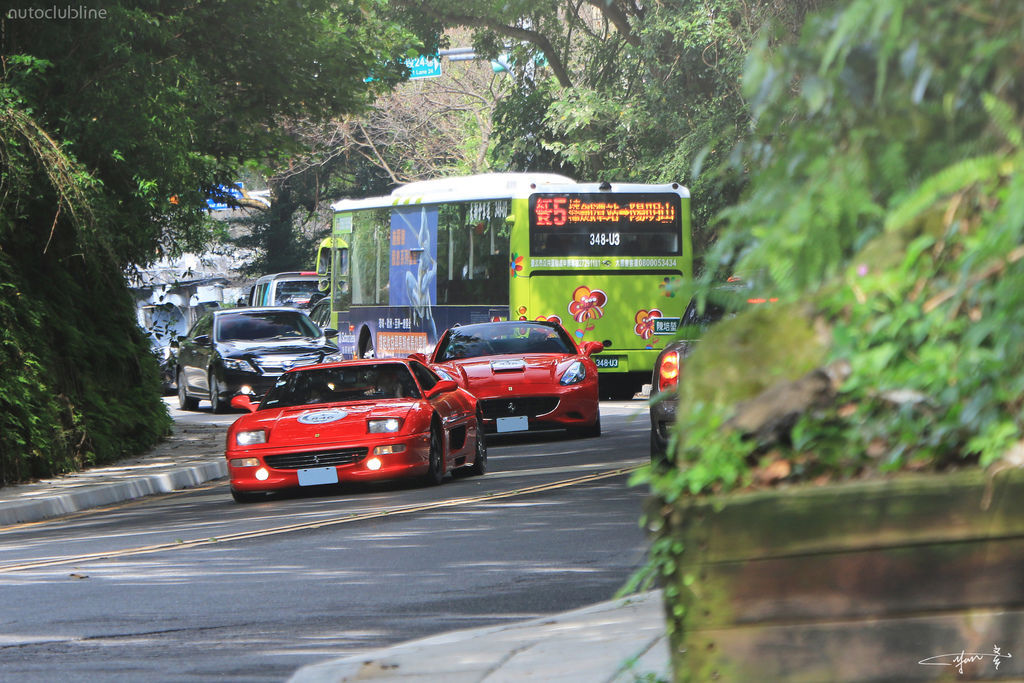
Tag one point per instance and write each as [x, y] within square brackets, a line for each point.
[424, 67]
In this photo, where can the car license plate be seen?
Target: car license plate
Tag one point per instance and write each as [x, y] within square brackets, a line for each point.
[606, 361]
[314, 476]
[513, 424]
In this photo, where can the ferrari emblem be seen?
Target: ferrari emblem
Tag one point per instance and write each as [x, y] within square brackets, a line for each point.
[510, 388]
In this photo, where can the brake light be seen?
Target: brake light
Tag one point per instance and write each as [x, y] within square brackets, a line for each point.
[668, 371]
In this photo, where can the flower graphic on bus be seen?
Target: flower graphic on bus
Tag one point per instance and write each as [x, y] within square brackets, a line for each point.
[516, 264]
[550, 319]
[521, 312]
[668, 287]
[587, 304]
[644, 327]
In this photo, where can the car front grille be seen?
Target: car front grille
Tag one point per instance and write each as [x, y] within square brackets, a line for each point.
[279, 363]
[531, 406]
[300, 461]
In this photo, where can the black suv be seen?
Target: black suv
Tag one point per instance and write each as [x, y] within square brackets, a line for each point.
[245, 350]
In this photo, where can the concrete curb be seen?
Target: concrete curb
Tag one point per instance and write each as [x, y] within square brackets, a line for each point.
[54, 504]
[192, 455]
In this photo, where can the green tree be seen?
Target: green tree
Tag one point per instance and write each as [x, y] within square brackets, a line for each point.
[630, 91]
[885, 198]
[115, 128]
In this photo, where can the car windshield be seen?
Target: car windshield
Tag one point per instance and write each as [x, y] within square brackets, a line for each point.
[265, 326]
[503, 338]
[375, 382]
[298, 293]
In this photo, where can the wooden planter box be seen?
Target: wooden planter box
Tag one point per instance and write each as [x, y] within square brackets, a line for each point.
[885, 580]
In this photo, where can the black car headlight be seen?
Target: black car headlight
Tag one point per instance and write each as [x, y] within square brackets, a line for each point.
[236, 364]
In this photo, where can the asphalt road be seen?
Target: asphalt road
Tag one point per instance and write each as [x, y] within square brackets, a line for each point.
[192, 587]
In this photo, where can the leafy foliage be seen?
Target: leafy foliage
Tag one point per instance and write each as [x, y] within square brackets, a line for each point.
[112, 132]
[886, 193]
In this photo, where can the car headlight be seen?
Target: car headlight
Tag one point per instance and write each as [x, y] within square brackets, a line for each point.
[236, 364]
[390, 424]
[574, 374]
[251, 437]
[332, 358]
[443, 375]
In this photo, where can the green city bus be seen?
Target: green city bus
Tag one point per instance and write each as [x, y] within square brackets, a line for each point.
[602, 259]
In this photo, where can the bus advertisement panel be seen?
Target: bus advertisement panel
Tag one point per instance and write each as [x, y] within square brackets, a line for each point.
[602, 260]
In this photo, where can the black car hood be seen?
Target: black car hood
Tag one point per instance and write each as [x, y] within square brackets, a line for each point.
[289, 348]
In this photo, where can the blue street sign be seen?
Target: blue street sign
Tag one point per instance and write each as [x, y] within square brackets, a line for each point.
[424, 66]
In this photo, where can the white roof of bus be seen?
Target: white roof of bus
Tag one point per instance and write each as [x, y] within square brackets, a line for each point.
[490, 186]
[464, 188]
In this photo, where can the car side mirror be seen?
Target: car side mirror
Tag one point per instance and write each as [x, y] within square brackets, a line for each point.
[420, 357]
[591, 347]
[441, 387]
[243, 402]
[330, 332]
[202, 340]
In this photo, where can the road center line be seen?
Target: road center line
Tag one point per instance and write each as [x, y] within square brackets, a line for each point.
[353, 517]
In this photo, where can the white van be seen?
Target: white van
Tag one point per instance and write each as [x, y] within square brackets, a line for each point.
[296, 289]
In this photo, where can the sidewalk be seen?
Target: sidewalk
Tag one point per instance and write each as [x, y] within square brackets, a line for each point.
[193, 455]
[620, 641]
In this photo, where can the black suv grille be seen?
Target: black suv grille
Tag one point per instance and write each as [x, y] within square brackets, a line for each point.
[301, 461]
[531, 406]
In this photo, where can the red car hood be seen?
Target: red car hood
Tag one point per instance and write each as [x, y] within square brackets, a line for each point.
[318, 425]
[478, 374]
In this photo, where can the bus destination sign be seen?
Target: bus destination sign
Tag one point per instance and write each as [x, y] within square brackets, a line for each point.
[583, 209]
[605, 224]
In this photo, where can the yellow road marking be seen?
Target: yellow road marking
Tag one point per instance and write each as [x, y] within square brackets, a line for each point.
[289, 528]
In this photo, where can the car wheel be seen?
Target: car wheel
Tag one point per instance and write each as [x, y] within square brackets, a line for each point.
[479, 465]
[589, 431]
[435, 470]
[185, 402]
[246, 496]
[216, 404]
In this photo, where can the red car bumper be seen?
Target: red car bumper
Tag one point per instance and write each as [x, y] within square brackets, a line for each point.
[255, 469]
[544, 407]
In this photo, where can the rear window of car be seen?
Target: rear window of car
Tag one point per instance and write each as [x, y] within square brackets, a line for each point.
[265, 326]
[341, 384]
[299, 293]
[472, 341]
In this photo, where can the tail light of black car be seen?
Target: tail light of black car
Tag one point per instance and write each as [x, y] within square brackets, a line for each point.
[668, 371]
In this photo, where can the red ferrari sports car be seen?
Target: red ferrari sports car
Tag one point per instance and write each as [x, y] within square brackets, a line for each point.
[354, 421]
[526, 375]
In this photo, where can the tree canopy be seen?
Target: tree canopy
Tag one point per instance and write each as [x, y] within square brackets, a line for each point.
[113, 131]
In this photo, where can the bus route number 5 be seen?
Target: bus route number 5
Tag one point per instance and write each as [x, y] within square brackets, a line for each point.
[551, 211]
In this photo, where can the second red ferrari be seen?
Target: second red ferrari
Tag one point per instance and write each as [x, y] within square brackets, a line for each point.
[526, 375]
